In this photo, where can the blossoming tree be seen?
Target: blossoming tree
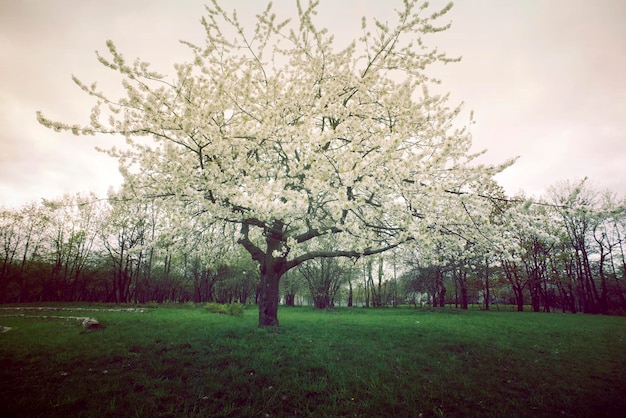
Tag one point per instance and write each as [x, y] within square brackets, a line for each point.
[312, 151]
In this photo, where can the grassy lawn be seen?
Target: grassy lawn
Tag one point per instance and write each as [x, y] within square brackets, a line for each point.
[345, 362]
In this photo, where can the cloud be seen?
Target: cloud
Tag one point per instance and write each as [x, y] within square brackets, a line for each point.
[546, 81]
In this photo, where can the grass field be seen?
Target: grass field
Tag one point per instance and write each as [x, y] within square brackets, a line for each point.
[346, 362]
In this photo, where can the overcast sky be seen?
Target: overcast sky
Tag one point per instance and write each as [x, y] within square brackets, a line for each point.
[545, 78]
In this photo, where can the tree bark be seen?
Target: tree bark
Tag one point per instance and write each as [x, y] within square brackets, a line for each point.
[272, 269]
[268, 296]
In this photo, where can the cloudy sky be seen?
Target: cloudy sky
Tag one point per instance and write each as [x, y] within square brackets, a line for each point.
[546, 80]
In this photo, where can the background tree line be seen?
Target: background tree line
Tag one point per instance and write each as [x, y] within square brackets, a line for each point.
[80, 248]
[565, 253]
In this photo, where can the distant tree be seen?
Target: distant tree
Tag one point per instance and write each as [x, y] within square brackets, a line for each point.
[324, 277]
[459, 274]
[125, 236]
[72, 225]
[48, 249]
[561, 251]
[517, 280]
[576, 203]
[10, 241]
[274, 130]
[351, 273]
[422, 280]
[608, 231]
[32, 223]
[237, 281]
[292, 283]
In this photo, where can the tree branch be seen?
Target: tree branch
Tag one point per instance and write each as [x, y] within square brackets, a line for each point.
[349, 254]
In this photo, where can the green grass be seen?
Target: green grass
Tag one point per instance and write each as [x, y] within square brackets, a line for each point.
[346, 362]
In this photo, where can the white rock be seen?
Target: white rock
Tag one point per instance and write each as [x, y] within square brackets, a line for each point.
[91, 323]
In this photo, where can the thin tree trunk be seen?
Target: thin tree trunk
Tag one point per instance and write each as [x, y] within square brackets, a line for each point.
[378, 300]
[456, 288]
[368, 278]
[463, 285]
[620, 293]
[350, 296]
[487, 291]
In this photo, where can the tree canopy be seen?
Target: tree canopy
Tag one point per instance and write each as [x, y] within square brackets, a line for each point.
[298, 143]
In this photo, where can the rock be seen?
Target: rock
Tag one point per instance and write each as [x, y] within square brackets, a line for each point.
[91, 323]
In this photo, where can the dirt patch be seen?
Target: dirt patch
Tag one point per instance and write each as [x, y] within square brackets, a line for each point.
[55, 309]
[86, 321]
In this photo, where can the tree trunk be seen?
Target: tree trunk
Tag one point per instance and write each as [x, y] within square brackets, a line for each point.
[378, 299]
[350, 290]
[535, 295]
[620, 293]
[591, 284]
[367, 275]
[604, 303]
[268, 297]
[440, 289]
[571, 299]
[463, 285]
[455, 280]
[487, 290]
[519, 299]
[442, 297]
[271, 268]
[290, 299]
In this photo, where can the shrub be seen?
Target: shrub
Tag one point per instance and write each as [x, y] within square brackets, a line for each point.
[215, 308]
[234, 309]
